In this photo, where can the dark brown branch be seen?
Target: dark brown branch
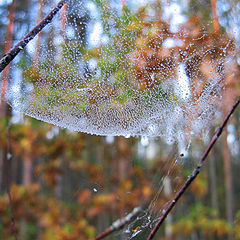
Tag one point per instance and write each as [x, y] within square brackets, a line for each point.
[119, 224]
[194, 174]
[9, 56]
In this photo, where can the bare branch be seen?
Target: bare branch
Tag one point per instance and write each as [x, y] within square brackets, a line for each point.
[9, 56]
[13, 225]
[8, 184]
[120, 223]
[195, 172]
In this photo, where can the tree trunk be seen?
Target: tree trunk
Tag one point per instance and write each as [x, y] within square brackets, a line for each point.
[63, 20]
[7, 47]
[27, 169]
[216, 24]
[168, 191]
[213, 177]
[36, 56]
[228, 181]
[4, 109]
[213, 182]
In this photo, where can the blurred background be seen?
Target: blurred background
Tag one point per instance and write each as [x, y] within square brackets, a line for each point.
[71, 185]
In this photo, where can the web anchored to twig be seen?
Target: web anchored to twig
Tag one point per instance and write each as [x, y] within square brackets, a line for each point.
[185, 186]
[195, 172]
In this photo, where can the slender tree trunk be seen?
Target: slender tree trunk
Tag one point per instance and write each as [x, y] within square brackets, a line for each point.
[59, 189]
[27, 169]
[168, 191]
[7, 47]
[123, 3]
[102, 218]
[213, 177]
[123, 154]
[37, 53]
[230, 91]
[4, 109]
[122, 165]
[216, 24]
[213, 182]
[228, 181]
[27, 159]
[63, 20]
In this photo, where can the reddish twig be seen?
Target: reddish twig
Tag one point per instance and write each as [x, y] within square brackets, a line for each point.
[194, 174]
[8, 185]
[9, 56]
[119, 224]
[13, 225]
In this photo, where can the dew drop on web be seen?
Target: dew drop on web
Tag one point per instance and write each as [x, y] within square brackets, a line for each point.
[122, 79]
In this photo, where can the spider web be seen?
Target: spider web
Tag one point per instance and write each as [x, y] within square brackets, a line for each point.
[117, 70]
[140, 78]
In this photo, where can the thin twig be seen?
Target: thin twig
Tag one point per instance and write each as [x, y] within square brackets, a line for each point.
[8, 185]
[195, 172]
[13, 225]
[119, 224]
[9, 56]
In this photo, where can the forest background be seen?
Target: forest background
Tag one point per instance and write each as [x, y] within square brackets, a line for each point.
[69, 185]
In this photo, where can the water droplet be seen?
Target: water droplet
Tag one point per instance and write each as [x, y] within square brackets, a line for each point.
[9, 155]
[144, 141]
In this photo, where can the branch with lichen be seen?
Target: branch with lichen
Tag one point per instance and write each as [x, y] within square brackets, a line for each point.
[12, 53]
